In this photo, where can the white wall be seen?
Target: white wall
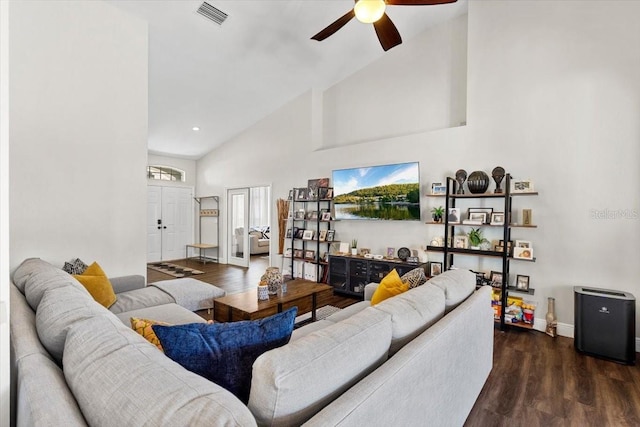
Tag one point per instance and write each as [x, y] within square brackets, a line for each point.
[78, 134]
[553, 96]
[5, 390]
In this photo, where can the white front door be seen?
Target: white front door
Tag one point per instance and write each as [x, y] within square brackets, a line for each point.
[238, 227]
[169, 222]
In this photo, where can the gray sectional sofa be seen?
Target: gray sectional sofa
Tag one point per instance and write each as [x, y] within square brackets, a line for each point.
[422, 356]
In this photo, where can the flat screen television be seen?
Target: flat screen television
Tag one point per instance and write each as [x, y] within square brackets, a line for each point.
[385, 192]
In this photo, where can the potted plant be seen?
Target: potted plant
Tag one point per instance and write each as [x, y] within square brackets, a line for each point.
[476, 239]
[354, 247]
[436, 213]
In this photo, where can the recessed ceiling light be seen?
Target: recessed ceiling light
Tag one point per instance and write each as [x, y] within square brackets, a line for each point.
[196, 128]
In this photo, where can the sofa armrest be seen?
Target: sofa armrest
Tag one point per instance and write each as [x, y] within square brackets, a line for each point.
[127, 283]
[369, 290]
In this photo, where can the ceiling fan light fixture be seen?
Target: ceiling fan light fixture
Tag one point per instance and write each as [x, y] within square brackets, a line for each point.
[369, 11]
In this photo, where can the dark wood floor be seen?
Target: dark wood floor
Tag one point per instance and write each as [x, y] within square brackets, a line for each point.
[536, 380]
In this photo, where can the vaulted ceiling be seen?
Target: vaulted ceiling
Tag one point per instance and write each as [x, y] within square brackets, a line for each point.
[224, 78]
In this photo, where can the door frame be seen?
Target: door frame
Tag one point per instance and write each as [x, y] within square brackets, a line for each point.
[231, 257]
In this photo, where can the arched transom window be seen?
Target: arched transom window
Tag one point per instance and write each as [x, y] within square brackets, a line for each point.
[165, 173]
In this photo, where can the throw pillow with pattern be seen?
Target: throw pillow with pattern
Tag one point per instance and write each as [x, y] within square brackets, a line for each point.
[414, 278]
[75, 266]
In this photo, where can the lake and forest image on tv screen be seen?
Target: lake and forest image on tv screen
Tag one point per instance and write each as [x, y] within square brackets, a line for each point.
[377, 192]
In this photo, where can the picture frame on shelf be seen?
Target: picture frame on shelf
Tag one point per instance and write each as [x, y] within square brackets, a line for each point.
[480, 217]
[497, 218]
[522, 282]
[298, 253]
[487, 211]
[308, 234]
[309, 254]
[453, 216]
[364, 251]
[299, 233]
[329, 193]
[289, 234]
[522, 186]
[438, 189]
[322, 235]
[290, 195]
[460, 242]
[300, 194]
[523, 244]
[527, 217]
[314, 185]
[331, 235]
[288, 252]
[326, 216]
[523, 253]
[391, 252]
[496, 278]
[323, 193]
[312, 215]
[300, 214]
[435, 268]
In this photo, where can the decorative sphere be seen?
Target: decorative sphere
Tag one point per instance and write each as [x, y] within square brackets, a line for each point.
[478, 182]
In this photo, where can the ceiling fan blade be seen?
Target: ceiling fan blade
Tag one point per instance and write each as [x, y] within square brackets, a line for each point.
[339, 23]
[387, 32]
[418, 2]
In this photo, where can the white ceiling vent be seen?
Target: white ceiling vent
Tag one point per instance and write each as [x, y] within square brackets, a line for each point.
[212, 13]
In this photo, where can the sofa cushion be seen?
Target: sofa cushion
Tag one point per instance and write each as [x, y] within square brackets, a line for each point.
[309, 328]
[149, 296]
[34, 276]
[291, 383]
[390, 285]
[224, 352]
[59, 309]
[349, 311]
[96, 282]
[25, 339]
[412, 313]
[119, 379]
[457, 286]
[42, 395]
[169, 313]
[414, 278]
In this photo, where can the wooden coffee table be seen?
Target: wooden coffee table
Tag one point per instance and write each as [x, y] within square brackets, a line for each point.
[245, 306]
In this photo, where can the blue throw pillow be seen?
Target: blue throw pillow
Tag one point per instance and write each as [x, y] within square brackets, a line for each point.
[224, 352]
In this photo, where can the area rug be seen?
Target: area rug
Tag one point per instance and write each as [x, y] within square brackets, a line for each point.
[173, 270]
[321, 313]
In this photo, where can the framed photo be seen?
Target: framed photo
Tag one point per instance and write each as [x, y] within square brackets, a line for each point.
[453, 215]
[522, 186]
[290, 195]
[331, 235]
[322, 235]
[478, 216]
[522, 282]
[309, 254]
[523, 253]
[307, 235]
[289, 233]
[497, 218]
[523, 244]
[438, 188]
[329, 194]
[288, 252]
[496, 278]
[460, 242]
[300, 193]
[300, 214]
[326, 216]
[487, 211]
[312, 215]
[364, 251]
[391, 252]
[299, 233]
[435, 268]
[298, 253]
[313, 185]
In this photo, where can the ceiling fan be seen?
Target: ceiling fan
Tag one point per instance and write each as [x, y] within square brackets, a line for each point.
[372, 12]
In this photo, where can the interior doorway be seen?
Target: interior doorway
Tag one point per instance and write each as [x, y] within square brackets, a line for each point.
[249, 225]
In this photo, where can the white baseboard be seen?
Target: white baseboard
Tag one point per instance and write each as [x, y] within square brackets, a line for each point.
[566, 330]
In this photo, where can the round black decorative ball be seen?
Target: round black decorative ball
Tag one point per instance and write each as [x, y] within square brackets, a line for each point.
[404, 253]
[478, 182]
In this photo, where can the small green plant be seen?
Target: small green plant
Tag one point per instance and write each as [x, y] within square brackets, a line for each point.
[475, 237]
[437, 213]
[354, 243]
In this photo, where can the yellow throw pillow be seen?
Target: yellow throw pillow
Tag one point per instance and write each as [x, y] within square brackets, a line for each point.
[143, 327]
[390, 286]
[98, 285]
